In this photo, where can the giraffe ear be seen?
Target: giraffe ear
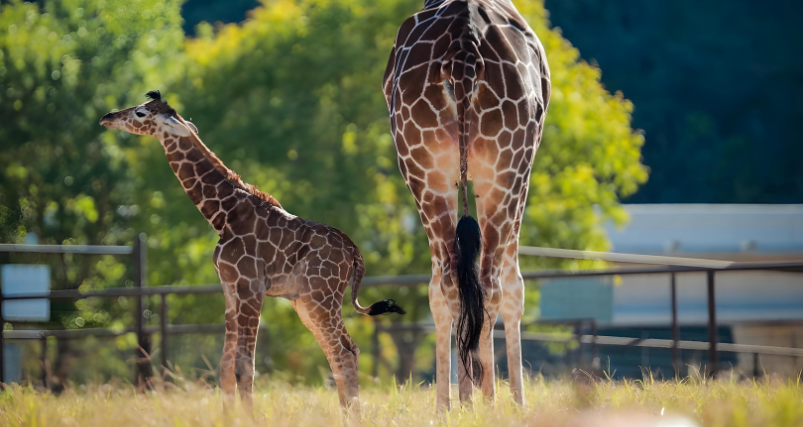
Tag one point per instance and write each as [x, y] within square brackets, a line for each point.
[176, 127]
[192, 126]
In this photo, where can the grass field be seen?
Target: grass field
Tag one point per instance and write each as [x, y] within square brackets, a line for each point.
[690, 402]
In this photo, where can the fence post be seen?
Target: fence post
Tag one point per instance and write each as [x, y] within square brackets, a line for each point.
[578, 333]
[375, 349]
[645, 352]
[712, 325]
[595, 363]
[2, 345]
[44, 360]
[163, 330]
[567, 357]
[675, 328]
[144, 370]
[756, 370]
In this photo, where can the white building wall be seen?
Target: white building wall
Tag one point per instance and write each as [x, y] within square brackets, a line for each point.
[741, 297]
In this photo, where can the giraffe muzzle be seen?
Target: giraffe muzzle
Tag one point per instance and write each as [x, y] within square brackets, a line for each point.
[107, 121]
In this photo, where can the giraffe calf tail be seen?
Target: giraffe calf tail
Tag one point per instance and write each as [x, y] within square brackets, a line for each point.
[377, 308]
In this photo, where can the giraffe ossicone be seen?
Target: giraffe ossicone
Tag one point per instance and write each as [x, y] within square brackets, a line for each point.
[467, 87]
[263, 250]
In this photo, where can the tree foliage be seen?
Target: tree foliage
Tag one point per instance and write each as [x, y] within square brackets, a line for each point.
[62, 65]
[291, 99]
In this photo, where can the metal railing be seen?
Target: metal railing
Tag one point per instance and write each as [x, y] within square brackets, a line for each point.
[658, 265]
[138, 253]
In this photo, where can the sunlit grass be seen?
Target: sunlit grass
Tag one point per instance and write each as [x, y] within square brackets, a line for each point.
[689, 402]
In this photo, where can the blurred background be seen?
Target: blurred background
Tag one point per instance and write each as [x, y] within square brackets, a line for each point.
[673, 128]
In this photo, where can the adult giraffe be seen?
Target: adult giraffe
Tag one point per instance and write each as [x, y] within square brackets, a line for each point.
[263, 250]
[467, 87]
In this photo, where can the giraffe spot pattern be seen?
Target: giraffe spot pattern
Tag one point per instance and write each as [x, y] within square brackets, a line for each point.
[263, 250]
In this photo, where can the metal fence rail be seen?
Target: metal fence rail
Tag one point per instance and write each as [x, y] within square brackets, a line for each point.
[625, 258]
[657, 265]
[35, 334]
[68, 249]
[621, 341]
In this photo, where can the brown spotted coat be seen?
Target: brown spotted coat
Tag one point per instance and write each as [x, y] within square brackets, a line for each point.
[263, 250]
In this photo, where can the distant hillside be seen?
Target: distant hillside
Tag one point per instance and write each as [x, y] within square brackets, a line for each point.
[718, 89]
[225, 11]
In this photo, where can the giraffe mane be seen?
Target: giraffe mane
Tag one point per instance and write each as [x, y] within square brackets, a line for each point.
[230, 175]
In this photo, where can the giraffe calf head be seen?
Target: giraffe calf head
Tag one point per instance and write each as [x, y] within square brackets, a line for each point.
[154, 118]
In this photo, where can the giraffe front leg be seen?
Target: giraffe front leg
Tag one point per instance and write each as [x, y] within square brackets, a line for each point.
[227, 378]
[248, 328]
[443, 345]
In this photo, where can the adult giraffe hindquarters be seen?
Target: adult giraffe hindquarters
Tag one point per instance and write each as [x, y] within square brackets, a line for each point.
[263, 250]
[461, 66]
[467, 87]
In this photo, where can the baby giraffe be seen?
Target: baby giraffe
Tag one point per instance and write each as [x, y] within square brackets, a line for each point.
[263, 250]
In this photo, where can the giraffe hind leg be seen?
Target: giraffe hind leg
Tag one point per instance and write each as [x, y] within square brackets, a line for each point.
[443, 347]
[512, 307]
[341, 352]
[512, 310]
[345, 358]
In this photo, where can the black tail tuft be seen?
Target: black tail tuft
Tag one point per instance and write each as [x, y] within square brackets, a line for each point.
[386, 306]
[472, 295]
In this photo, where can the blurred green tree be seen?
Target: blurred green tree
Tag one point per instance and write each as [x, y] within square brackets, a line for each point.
[292, 100]
[62, 65]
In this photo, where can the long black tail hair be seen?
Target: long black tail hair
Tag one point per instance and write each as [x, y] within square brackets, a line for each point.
[467, 235]
[472, 295]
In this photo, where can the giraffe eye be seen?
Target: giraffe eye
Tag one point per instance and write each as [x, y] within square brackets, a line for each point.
[139, 114]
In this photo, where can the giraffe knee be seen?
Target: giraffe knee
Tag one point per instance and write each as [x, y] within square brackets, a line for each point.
[350, 352]
[349, 346]
[240, 372]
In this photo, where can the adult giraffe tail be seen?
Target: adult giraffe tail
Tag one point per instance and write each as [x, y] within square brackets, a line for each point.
[465, 65]
[377, 308]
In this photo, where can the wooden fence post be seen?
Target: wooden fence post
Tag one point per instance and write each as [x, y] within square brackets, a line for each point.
[712, 325]
[163, 330]
[675, 328]
[44, 360]
[2, 346]
[375, 349]
[144, 369]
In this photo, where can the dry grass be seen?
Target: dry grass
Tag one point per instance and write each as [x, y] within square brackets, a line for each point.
[551, 403]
